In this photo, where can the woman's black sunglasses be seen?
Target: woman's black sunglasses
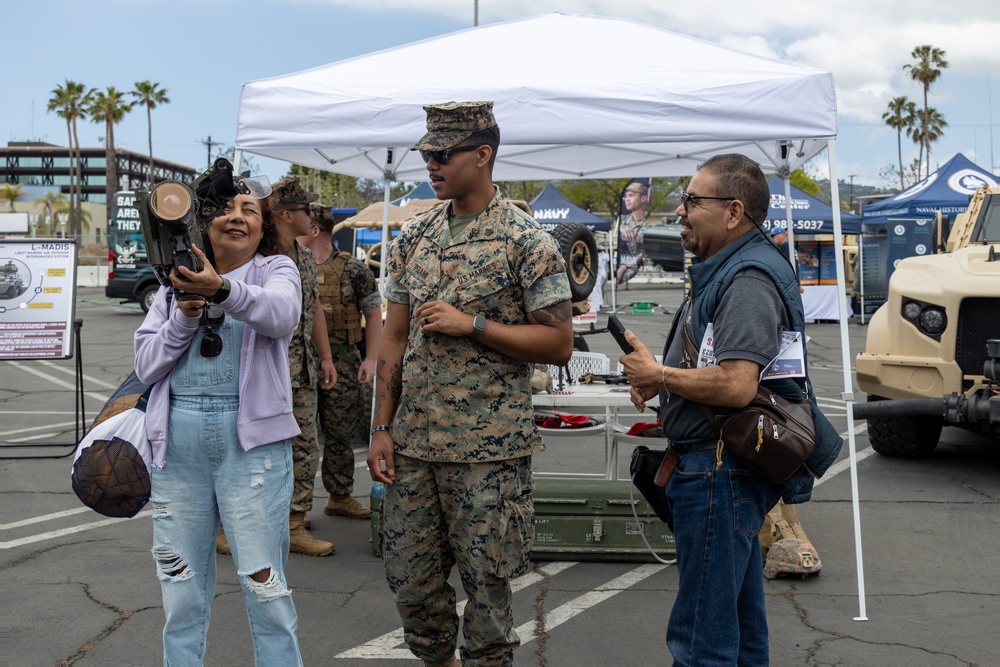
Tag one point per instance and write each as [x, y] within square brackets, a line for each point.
[213, 316]
[441, 156]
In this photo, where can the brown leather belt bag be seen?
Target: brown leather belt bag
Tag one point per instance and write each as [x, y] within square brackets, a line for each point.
[771, 436]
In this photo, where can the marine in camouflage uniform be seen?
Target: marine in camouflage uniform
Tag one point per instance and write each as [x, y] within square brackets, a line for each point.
[291, 204]
[304, 371]
[457, 403]
[347, 290]
[631, 230]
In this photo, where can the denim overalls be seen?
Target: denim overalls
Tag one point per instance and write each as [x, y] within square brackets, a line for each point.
[209, 476]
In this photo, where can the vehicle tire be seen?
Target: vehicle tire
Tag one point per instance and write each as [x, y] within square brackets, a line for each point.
[147, 295]
[579, 249]
[580, 344]
[904, 437]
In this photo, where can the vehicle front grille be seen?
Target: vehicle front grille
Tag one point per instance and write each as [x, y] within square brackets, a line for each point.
[978, 321]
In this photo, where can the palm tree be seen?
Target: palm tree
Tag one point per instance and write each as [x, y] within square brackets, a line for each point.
[53, 204]
[927, 70]
[10, 193]
[69, 102]
[149, 94]
[900, 116]
[109, 106]
[931, 128]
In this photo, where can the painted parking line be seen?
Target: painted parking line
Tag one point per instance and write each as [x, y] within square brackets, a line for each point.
[44, 517]
[580, 604]
[72, 371]
[56, 381]
[29, 429]
[51, 535]
[390, 646]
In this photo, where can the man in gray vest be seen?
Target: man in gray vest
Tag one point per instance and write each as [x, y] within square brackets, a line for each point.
[744, 289]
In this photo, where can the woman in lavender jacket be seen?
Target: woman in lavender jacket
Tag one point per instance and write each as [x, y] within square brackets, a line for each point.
[220, 421]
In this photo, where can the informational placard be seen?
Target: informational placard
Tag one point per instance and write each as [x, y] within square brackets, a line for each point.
[37, 298]
[883, 246]
[827, 264]
[808, 254]
[874, 268]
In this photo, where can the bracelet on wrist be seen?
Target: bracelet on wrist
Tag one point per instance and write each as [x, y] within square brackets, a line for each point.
[663, 377]
[380, 427]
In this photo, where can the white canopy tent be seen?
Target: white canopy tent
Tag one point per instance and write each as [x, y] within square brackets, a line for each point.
[575, 97]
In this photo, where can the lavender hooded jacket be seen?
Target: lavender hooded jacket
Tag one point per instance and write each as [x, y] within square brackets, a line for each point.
[269, 303]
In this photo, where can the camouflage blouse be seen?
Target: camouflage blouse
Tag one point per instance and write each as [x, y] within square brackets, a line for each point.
[461, 400]
[301, 359]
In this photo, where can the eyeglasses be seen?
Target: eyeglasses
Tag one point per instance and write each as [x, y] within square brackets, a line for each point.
[441, 156]
[213, 316]
[688, 198]
[305, 208]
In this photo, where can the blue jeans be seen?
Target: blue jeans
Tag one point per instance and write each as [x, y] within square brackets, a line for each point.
[207, 475]
[719, 616]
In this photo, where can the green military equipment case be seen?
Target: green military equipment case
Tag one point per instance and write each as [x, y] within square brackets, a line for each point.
[582, 519]
[591, 519]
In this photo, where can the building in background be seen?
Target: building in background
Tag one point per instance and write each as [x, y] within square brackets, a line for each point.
[42, 167]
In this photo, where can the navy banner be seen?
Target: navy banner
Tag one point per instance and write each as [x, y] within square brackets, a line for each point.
[632, 217]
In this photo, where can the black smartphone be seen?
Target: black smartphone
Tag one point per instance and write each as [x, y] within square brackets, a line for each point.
[618, 331]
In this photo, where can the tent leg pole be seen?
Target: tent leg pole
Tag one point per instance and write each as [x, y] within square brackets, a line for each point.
[788, 223]
[387, 189]
[612, 270]
[848, 395]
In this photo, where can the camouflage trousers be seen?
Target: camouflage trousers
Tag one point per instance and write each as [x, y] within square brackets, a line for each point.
[479, 516]
[345, 412]
[305, 448]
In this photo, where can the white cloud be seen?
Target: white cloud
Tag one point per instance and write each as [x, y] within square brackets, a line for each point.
[863, 43]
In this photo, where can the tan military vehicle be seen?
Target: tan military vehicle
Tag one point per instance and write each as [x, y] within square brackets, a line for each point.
[933, 348]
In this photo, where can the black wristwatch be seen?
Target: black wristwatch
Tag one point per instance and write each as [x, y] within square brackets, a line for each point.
[222, 294]
[478, 326]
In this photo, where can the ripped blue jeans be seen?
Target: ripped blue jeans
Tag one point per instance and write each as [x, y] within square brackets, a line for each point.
[208, 476]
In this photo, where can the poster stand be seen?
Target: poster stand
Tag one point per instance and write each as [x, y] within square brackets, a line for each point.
[80, 421]
[38, 318]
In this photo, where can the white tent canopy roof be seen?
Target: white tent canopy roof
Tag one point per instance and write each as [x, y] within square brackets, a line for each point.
[575, 97]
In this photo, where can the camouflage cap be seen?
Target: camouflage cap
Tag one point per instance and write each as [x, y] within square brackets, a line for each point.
[791, 556]
[451, 123]
[288, 193]
[635, 186]
[323, 218]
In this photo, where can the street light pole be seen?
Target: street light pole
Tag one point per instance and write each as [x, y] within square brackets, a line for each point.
[851, 204]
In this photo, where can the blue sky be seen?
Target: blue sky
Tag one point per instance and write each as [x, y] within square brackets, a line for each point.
[203, 51]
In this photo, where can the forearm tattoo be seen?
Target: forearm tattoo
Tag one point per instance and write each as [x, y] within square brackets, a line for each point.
[558, 313]
[389, 386]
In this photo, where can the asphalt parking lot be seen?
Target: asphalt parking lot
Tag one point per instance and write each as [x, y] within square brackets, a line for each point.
[81, 589]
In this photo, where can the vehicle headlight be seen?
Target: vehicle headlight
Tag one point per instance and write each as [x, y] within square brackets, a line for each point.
[911, 310]
[933, 320]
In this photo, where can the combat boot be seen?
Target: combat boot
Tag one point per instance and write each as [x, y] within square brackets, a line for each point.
[450, 662]
[221, 543]
[346, 506]
[301, 542]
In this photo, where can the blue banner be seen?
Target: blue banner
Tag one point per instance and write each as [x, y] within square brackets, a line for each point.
[883, 246]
